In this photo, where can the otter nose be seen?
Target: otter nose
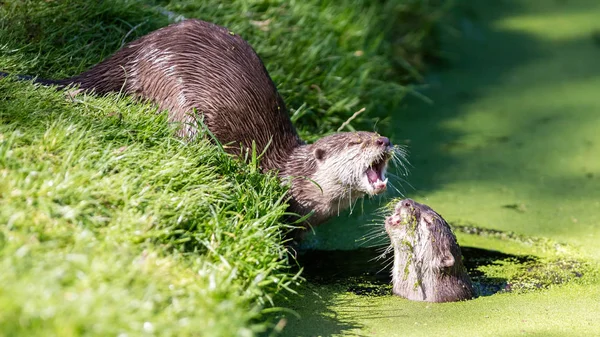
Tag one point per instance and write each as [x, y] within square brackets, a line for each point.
[406, 203]
[383, 141]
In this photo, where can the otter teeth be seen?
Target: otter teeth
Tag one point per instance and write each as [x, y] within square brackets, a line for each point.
[380, 185]
[374, 177]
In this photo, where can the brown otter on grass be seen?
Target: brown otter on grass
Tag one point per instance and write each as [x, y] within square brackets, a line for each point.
[198, 70]
[427, 259]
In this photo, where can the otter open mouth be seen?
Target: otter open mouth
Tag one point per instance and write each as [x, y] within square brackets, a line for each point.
[375, 174]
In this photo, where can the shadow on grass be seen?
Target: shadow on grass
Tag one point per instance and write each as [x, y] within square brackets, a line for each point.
[60, 39]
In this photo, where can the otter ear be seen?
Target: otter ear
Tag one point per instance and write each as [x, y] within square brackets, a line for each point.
[447, 261]
[319, 154]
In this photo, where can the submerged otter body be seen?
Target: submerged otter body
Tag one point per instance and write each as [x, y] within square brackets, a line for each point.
[200, 71]
[427, 259]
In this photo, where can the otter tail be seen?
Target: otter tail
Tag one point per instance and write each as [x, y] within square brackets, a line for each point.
[100, 79]
[107, 76]
[59, 83]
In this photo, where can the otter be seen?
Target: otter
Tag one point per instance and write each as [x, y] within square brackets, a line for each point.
[197, 70]
[427, 259]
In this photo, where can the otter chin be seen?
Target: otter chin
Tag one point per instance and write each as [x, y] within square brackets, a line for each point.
[427, 259]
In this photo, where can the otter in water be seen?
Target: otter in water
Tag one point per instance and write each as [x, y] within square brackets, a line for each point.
[198, 70]
[427, 259]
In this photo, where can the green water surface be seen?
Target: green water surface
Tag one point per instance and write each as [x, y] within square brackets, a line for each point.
[510, 142]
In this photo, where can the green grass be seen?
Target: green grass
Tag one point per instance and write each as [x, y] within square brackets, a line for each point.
[109, 224]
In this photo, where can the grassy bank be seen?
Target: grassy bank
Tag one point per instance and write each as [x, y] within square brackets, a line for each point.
[109, 225]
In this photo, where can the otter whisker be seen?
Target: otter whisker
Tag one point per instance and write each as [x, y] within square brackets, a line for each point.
[354, 203]
[400, 178]
[400, 193]
[384, 251]
[371, 225]
[399, 157]
[374, 233]
[350, 204]
[400, 163]
[366, 240]
[382, 213]
[386, 266]
[403, 182]
[379, 230]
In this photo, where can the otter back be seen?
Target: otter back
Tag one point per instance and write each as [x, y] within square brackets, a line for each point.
[198, 70]
[199, 66]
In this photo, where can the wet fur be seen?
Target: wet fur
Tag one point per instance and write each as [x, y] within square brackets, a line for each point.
[196, 66]
[427, 259]
[202, 66]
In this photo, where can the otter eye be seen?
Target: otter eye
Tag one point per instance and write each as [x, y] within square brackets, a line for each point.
[407, 204]
[319, 154]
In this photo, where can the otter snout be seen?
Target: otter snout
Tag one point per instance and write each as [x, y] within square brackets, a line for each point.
[375, 173]
[383, 141]
[405, 212]
[392, 222]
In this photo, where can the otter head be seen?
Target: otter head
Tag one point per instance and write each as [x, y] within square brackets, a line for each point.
[427, 259]
[352, 163]
[330, 174]
[425, 232]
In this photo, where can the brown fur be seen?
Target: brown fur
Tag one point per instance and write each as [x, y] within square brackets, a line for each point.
[199, 66]
[427, 259]
[329, 174]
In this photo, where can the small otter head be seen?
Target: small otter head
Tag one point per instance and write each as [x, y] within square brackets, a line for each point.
[352, 163]
[424, 230]
[427, 259]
